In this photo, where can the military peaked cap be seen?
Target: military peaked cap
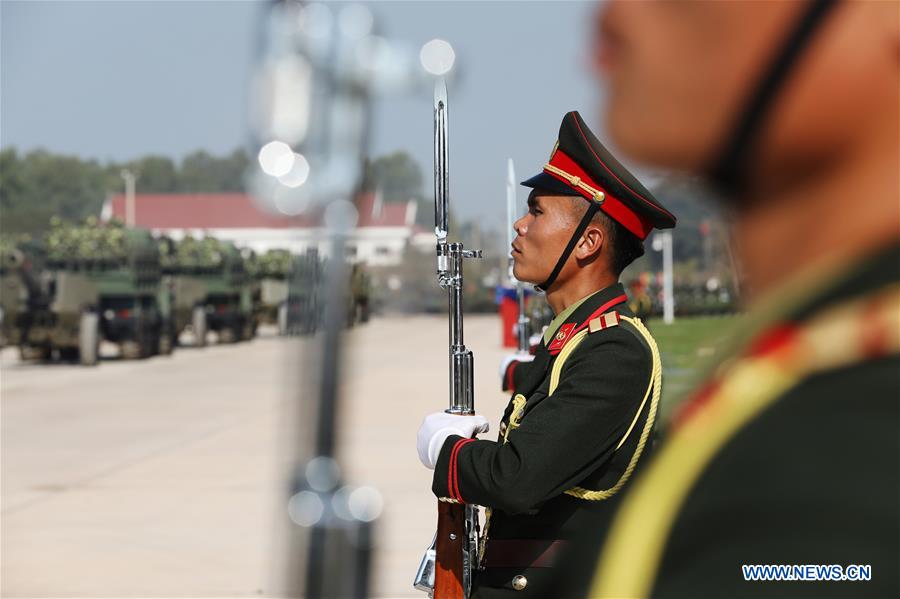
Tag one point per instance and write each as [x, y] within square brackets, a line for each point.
[580, 165]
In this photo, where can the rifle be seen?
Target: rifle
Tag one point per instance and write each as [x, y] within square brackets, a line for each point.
[446, 569]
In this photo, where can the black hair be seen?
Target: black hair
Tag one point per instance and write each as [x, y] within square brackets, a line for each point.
[626, 247]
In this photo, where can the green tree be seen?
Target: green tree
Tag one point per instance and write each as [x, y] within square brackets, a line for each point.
[13, 188]
[398, 177]
[196, 173]
[205, 173]
[156, 174]
[40, 185]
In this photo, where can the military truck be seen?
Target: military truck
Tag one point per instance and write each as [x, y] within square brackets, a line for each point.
[273, 271]
[210, 288]
[99, 282]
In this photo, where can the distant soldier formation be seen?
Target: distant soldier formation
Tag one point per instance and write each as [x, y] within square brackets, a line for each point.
[63, 293]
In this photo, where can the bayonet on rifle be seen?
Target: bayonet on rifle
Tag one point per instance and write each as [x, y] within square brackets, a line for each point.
[446, 569]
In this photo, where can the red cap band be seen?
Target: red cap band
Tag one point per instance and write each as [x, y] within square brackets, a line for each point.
[613, 207]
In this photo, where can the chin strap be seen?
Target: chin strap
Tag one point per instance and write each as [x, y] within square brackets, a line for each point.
[593, 207]
[728, 172]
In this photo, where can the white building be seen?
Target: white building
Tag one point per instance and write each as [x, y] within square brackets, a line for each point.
[382, 236]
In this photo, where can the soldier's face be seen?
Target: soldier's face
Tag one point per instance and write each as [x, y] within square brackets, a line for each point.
[678, 74]
[542, 235]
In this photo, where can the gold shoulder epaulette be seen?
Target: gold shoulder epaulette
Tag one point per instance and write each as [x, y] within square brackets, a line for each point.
[604, 321]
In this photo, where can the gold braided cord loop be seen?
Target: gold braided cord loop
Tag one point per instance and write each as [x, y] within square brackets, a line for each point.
[448, 500]
[515, 419]
[654, 388]
[482, 543]
[574, 181]
[561, 359]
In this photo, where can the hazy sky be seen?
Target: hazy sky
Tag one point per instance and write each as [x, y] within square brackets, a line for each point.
[117, 80]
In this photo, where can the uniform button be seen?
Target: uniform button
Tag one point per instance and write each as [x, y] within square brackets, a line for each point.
[519, 583]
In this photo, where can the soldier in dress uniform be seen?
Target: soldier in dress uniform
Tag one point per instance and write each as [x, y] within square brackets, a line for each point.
[788, 453]
[579, 422]
[640, 302]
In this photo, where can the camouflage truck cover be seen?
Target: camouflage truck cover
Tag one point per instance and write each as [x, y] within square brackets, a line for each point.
[273, 271]
[210, 288]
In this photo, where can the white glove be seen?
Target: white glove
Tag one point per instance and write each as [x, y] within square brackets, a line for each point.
[510, 358]
[438, 426]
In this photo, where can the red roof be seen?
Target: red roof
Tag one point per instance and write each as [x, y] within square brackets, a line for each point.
[238, 210]
[373, 212]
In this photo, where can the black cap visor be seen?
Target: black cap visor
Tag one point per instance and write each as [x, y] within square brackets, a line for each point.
[549, 184]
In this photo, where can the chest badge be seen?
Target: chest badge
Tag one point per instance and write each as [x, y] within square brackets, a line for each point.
[565, 331]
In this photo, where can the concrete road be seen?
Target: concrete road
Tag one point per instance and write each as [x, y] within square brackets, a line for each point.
[167, 477]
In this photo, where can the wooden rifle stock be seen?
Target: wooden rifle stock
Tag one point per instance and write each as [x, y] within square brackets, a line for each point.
[451, 535]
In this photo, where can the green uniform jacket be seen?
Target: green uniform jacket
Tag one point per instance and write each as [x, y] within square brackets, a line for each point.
[565, 440]
[814, 478]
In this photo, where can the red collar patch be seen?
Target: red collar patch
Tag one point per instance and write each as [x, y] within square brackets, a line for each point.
[559, 340]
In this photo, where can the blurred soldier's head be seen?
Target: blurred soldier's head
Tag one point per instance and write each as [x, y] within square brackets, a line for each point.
[682, 75]
[790, 109]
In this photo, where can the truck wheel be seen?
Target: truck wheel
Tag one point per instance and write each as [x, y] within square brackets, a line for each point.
[89, 339]
[151, 344]
[28, 353]
[166, 342]
[283, 319]
[198, 325]
[143, 344]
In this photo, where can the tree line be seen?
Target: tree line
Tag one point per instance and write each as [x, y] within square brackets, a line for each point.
[39, 184]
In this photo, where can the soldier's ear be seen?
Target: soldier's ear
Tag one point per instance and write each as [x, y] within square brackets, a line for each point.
[591, 242]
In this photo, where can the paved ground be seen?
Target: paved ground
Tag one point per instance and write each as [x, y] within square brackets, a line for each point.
[166, 478]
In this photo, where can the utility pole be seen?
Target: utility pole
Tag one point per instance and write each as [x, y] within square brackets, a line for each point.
[130, 179]
[662, 242]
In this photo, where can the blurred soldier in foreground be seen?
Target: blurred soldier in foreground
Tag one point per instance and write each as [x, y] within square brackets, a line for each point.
[583, 413]
[789, 453]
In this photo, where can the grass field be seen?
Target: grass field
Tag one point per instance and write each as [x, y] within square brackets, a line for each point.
[687, 347]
